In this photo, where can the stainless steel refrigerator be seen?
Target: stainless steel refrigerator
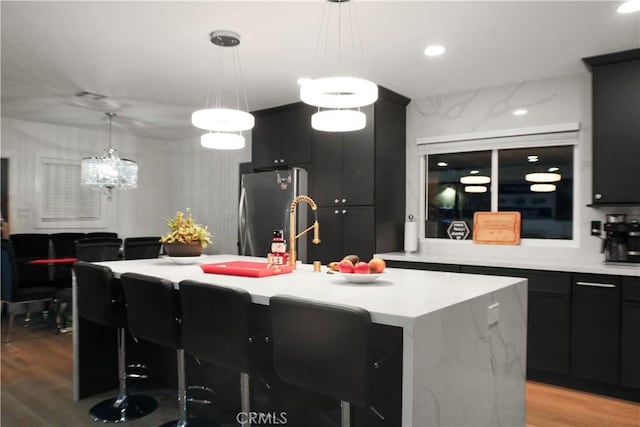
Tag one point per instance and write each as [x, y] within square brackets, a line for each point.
[265, 198]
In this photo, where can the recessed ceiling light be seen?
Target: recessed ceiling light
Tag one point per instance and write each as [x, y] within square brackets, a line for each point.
[434, 50]
[519, 112]
[443, 164]
[629, 6]
[553, 169]
[532, 159]
[474, 172]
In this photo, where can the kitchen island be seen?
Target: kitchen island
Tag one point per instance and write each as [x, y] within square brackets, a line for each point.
[464, 336]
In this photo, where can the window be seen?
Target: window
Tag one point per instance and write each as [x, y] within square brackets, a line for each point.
[536, 181]
[63, 201]
[458, 185]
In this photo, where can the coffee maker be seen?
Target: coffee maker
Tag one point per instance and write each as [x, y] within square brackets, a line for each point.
[633, 241]
[616, 243]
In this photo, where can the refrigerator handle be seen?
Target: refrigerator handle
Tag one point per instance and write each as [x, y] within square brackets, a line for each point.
[242, 229]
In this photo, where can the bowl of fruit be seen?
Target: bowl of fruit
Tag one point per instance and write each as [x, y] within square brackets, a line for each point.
[353, 270]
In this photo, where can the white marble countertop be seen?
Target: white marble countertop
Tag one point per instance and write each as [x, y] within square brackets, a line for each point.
[397, 298]
[572, 266]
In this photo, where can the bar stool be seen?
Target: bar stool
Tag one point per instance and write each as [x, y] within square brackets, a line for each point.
[216, 329]
[154, 313]
[100, 301]
[328, 349]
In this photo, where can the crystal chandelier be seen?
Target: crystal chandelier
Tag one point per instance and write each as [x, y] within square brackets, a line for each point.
[341, 96]
[225, 125]
[109, 171]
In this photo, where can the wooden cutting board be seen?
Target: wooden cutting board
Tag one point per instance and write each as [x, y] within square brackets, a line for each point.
[496, 228]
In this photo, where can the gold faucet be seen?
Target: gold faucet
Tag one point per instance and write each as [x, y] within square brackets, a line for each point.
[292, 227]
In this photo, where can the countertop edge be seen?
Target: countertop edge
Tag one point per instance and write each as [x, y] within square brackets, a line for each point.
[548, 265]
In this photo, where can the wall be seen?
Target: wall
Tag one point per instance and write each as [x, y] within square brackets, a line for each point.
[549, 101]
[172, 176]
[207, 181]
[128, 213]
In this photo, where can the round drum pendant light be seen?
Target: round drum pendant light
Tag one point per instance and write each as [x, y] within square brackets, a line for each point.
[338, 120]
[339, 92]
[222, 141]
[342, 95]
[221, 120]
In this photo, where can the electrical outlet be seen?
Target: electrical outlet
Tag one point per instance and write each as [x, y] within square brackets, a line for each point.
[596, 228]
[493, 314]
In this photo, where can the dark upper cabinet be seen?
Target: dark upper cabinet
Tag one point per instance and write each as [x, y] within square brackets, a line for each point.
[595, 338]
[281, 137]
[343, 165]
[344, 230]
[616, 128]
[365, 168]
[630, 334]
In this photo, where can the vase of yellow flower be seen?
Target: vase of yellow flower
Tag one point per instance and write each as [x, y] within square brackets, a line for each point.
[185, 238]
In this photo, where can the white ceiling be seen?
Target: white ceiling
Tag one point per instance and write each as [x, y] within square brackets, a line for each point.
[154, 60]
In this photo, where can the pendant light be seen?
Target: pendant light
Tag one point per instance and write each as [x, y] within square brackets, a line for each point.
[225, 123]
[108, 171]
[339, 98]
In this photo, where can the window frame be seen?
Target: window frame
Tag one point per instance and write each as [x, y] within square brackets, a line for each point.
[543, 136]
[94, 222]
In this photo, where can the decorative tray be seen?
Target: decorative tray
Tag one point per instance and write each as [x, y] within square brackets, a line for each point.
[246, 268]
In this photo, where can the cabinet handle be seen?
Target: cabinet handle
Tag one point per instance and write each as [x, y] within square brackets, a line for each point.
[344, 200]
[344, 211]
[597, 196]
[596, 285]
[336, 212]
[336, 201]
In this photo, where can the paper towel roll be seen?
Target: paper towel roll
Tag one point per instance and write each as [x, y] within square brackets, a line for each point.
[410, 236]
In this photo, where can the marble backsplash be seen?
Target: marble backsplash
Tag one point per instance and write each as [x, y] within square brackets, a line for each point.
[562, 99]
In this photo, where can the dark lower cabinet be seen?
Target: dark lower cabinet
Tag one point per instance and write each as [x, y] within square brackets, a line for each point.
[583, 330]
[630, 347]
[630, 357]
[595, 340]
[548, 332]
[344, 230]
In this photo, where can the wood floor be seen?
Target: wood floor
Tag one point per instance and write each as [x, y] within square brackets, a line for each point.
[36, 384]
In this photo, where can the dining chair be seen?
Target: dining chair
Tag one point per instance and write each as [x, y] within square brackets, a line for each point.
[108, 234]
[26, 248]
[142, 247]
[98, 249]
[16, 299]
